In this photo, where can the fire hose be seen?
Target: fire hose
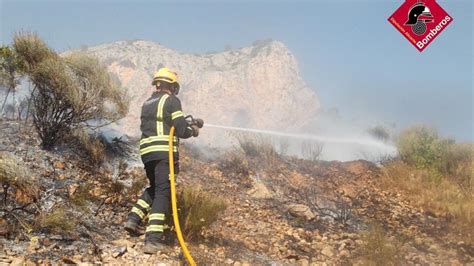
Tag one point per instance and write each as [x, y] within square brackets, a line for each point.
[174, 206]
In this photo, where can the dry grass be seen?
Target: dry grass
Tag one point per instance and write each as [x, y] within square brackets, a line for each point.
[197, 210]
[13, 173]
[444, 197]
[378, 248]
[57, 221]
[11, 169]
[436, 174]
[82, 195]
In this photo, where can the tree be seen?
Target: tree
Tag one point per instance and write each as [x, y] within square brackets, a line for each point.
[68, 92]
[11, 70]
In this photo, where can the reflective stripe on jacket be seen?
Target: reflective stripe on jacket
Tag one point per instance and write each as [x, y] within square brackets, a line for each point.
[159, 113]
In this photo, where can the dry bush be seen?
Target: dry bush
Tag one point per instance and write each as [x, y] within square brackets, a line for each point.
[283, 146]
[259, 150]
[13, 173]
[456, 163]
[68, 92]
[92, 147]
[311, 150]
[197, 210]
[139, 182]
[57, 221]
[115, 187]
[379, 132]
[378, 249]
[234, 162]
[82, 195]
[111, 190]
[255, 145]
[24, 108]
[31, 49]
[337, 206]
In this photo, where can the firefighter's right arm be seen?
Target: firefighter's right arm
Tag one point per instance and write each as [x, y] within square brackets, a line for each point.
[183, 131]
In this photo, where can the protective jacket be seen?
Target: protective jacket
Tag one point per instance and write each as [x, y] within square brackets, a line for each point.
[159, 113]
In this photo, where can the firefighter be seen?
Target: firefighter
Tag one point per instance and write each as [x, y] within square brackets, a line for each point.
[159, 113]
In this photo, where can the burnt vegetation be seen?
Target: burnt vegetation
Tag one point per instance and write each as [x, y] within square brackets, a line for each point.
[69, 92]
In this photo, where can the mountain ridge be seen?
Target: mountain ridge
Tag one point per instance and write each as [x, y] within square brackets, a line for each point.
[245, 85]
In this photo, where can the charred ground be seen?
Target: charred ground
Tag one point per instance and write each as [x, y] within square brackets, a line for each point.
[279, 210]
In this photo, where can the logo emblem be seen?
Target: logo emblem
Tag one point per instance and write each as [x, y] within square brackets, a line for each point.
[420, 21]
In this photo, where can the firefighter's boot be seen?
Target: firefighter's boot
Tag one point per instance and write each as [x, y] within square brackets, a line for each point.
[132, 227]
[153, 247]
[169, 238]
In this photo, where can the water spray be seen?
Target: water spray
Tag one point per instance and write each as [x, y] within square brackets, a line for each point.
[323, 139]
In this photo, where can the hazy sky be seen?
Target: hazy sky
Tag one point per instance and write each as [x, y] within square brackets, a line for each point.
[346, 50]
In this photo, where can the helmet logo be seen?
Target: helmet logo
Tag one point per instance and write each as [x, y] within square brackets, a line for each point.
[418, 16]
[420, 21]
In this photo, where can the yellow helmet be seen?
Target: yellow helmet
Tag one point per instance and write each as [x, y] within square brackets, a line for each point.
[166, 75]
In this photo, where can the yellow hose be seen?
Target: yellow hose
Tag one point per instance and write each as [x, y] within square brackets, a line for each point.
[173, 202]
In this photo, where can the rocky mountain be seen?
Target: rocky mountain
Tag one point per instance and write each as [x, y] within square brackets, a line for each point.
[257, 86]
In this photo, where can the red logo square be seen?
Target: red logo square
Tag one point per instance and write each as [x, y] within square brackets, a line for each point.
[420, 21]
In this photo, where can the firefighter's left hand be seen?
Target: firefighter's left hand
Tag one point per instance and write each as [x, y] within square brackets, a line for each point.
[195, 130]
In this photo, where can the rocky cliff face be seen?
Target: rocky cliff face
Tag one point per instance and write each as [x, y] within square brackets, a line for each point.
[257, 86]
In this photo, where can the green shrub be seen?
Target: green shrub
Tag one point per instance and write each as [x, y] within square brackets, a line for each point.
[197, 210]
[419, 146]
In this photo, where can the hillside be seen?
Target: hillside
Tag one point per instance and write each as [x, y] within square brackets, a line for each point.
[279, 210]
[240, 87]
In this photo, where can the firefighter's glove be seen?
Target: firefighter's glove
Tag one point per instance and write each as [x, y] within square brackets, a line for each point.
[199, 122]
[195, 130]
